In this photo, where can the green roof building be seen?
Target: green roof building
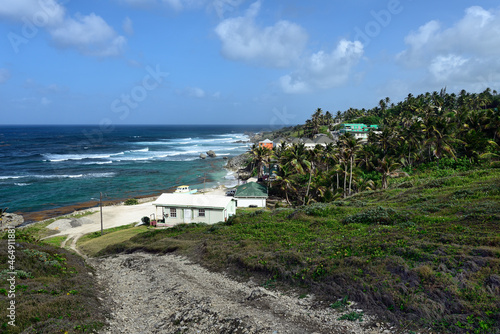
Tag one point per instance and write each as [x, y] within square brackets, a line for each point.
[358, 130]
[251, 194]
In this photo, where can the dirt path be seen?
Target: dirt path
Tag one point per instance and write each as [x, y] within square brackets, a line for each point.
[169, 294]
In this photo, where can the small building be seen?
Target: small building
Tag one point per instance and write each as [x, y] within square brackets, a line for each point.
[185, 208]
[359, 131]
[251, 194]
[266, 143]
[323, 140]
[278, 141]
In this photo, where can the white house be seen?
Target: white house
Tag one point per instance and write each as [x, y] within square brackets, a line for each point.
[251, 194]
[185, 208]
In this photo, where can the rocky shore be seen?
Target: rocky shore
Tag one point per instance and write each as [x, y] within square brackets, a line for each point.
[238, 164]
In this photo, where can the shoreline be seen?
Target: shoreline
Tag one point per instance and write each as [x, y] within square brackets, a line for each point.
[233, 167]
[42, 215]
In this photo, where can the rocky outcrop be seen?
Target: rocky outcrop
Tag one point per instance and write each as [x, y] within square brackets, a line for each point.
[211, 154]
[237, 163]
[203, 156]
[11, 220]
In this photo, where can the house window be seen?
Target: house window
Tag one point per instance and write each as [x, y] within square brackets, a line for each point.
[173, 213]
[201, 213]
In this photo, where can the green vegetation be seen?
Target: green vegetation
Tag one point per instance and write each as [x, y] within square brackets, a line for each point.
[54, 293]
[93, 243]
[131, 201]
[55, 241]
[406, 224]
[39, 230]
[438, 130]
[424, 252]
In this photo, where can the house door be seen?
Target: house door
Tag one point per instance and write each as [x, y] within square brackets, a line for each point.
[187, 216]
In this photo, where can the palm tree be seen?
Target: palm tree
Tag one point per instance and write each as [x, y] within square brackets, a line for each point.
[385, 167]
[260, 154]
[440, 138]
[297, 158]
[492, 119]
[412, 137]
[285, 182]
[349, 147]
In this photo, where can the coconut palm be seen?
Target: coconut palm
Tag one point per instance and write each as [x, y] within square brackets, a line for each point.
[385, 167]
[351, 147]
[297, 158]
[260, 154]
[440, 137]
[284, 182]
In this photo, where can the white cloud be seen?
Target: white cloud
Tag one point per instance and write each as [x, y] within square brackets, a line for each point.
[444, 67]
[38, 12]
[90, 35]
[242, 39]
[176, 5]
[128, 26]
[45, 101]
[462, 53]
[223, 6]
[4, 75]
[324, 70]
[195, 92]
[139, 3]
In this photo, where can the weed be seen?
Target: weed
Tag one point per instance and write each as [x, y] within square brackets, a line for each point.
[341, 303]
[131, 201]
[352, 316]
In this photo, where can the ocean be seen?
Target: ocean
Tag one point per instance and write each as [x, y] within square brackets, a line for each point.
[47, 167]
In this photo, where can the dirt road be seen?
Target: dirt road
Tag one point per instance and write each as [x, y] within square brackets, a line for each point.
[169, 294]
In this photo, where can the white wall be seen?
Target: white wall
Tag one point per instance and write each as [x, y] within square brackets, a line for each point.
[246, 202]
[212, 216]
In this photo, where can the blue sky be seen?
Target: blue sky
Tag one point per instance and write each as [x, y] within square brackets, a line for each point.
[235, 61]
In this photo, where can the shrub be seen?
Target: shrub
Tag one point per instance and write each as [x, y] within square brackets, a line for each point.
[463, 193]
[379, 215]
[131, 201]
[405, 185]
[319, 209]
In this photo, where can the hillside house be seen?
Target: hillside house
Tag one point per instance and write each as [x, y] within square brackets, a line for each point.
[251, 194]
[186, 208]
[266, 143]
[358, 130]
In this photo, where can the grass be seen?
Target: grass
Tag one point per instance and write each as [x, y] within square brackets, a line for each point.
[54, 291]
[91, 244]
[40, 230]
[425, 255]
[55, 241]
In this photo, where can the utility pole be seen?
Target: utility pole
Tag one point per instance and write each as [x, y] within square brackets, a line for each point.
[100, 205]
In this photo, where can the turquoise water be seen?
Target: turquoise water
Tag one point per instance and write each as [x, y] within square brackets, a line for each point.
[45, 167]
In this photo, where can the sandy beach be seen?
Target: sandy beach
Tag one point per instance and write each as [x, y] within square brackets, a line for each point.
[113, 216]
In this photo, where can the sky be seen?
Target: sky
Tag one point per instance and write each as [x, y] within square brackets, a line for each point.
[235, 61]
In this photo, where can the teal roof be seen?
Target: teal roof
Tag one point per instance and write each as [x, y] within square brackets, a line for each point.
[357, 127]
[251, 189]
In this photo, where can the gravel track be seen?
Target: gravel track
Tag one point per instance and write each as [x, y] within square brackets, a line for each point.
[169, 294]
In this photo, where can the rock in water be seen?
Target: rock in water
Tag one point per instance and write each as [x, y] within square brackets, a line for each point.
[211, 154]
[203, 155]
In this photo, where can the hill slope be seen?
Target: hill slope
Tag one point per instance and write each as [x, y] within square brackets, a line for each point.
[424, 253]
